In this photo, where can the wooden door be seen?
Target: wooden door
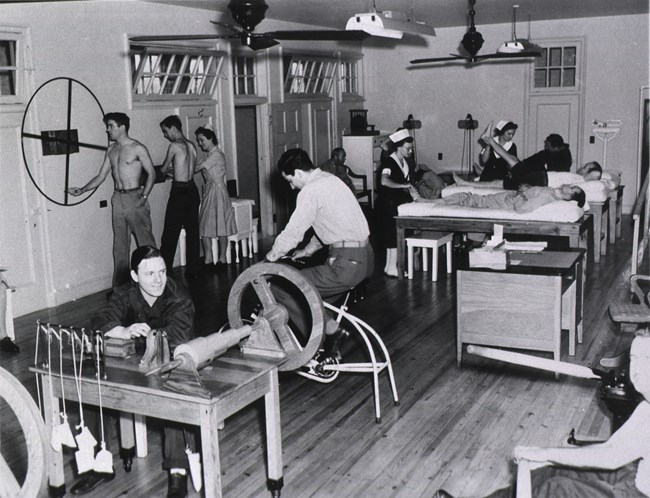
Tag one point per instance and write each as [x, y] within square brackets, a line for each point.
[248, 175]
[286, 126]
[22, 232]
[321, 136]
[556, 113]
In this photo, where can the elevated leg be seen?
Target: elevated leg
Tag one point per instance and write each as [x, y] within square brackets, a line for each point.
[448, 251]
[273, 435]
[410, 261]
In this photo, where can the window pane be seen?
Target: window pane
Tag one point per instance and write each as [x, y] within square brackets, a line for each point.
[569, 78]
[250, 83]
[554, 76]
[540, 78]
[555, 58]
[569, 56]
[542, 60]
[7, 82]
[7, 53]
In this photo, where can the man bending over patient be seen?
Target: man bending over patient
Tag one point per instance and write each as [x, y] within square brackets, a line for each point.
[524, 200]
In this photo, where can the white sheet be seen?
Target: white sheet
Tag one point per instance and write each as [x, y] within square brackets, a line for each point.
[562, 211]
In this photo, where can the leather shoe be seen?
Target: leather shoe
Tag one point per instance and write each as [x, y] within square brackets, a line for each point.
[9, 346]
[177, 485]
[441, 493]
[615, 361]
[87, 482]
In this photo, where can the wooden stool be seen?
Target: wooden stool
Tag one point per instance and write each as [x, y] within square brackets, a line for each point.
[431, 240]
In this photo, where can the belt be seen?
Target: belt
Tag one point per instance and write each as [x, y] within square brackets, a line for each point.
[182, 184]
[350, 243]
[125, 190]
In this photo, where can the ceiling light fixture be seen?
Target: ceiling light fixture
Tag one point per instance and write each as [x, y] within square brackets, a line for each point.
[388, 24]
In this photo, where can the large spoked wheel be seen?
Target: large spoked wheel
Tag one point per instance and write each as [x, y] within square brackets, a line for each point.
[31, 423]
[257, 277]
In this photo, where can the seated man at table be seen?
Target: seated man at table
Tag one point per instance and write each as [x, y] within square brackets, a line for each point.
[619, 467]
[524, 200]
[151, 301]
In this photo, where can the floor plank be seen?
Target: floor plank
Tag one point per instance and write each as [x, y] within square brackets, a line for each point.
[454, 428]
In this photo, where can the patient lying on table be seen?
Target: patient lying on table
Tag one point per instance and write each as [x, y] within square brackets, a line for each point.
[524, 200]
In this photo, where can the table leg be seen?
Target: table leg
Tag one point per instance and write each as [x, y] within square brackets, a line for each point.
[210, 450]
[400, 252]
[51, 413]
[598, 227]
[273, 435]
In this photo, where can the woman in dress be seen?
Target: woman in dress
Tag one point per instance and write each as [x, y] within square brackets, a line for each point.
[216, 216]
[395, 188]
[494, 166]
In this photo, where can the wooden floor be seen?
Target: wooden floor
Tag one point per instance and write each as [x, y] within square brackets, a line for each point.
[454, 429]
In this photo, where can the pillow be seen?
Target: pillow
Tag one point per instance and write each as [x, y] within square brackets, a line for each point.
[595, 190]
[612, 178]
[561, 211]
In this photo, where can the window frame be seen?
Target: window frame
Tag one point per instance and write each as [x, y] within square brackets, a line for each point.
[19, 37]
[560, 43]
[314, 76]
[140, 74]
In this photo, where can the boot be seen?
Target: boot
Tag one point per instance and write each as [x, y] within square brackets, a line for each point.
[333, 343]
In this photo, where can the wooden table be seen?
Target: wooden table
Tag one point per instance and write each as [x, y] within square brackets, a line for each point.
[524, 306]
[579, 233]
[234, 381]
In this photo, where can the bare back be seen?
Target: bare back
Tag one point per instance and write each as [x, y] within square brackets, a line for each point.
[183, 156]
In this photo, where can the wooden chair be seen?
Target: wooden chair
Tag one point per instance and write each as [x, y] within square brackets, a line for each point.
[634, 314]
[524, 469]
[362, 191]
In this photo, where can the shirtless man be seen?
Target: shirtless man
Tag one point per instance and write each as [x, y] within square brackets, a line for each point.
[126, 159]
[183, 205]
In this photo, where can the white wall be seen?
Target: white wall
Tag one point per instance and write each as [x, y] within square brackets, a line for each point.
[439, 96]
[87, 41]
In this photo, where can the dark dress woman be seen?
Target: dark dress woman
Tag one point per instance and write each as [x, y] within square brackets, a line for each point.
[395, 188]
[494, 166]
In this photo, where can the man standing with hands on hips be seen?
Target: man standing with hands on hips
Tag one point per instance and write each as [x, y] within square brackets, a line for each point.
[327, 205]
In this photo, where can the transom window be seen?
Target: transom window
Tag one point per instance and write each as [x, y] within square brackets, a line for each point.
[349, 77]
[161, 73]
[307, 75]
[557, 67]
[243, 68]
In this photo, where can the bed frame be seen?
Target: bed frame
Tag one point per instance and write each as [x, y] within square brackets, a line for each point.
[580, 233]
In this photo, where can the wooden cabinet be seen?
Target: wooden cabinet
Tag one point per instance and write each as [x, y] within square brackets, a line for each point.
[363, 156]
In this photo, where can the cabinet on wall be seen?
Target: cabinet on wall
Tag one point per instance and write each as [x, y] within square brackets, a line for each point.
[363, 156]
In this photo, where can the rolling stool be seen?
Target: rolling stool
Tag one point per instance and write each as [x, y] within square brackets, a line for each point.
[371, 340]
[431, 240]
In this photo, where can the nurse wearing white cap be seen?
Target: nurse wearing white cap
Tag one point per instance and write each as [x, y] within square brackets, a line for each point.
[395, 188]
[494, 166]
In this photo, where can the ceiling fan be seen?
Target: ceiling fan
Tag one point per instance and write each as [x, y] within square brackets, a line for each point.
[473, 41]
[248, 14]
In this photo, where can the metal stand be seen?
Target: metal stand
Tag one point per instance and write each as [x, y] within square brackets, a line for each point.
[468, 125]
[606, 131]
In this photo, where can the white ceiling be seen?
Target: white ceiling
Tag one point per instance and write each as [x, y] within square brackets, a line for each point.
[437, 13]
